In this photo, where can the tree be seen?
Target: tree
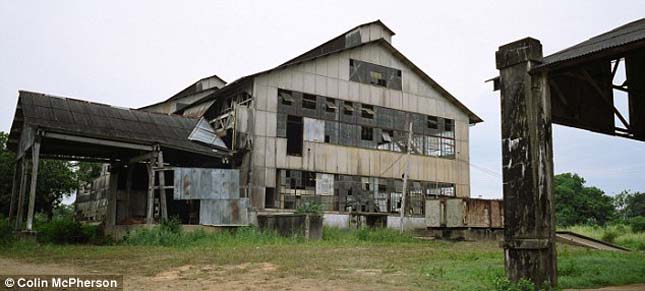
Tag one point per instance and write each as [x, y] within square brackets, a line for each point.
[55, 179]
[630, 204]
[576, 203]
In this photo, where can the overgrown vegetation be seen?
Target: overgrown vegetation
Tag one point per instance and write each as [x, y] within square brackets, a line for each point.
[310, 208]
[619, 234]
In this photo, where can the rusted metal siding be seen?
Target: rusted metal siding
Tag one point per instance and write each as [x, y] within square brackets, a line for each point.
[464, 212]
[203, 183]
[224, 212]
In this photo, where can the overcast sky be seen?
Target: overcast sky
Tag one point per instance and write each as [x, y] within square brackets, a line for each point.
[133, 53]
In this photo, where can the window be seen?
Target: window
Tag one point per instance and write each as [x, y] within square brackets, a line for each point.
[449, 125]
[330, 105]
[376, 78]
[367, 133]
[286, 97]
[310, 179]
[309, 101]
[294, 135]
[367, 111]
[374, 74]
[433, 122]
[348, 108]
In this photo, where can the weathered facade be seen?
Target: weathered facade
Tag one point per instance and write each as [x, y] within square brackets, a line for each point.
[331, 125]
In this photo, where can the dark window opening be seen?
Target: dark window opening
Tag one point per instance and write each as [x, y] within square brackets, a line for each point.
[433, 122]
[309, 101]
[327, 138]
[269, 198]
[330, 105]
[367, 111]
[310, 179]
[449, 125]
[286, 97]
[348, 108]
[367, 133]
[294, 135]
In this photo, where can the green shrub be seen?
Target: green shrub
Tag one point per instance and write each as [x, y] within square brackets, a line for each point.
[637, 223]
[310, 208]
[6, 231]
[610, 236]
[171, 225]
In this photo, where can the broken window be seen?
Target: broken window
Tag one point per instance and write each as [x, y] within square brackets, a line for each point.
[374, 74]
[310, 179]
[367, 133]
[449, 126]
[367, 111]
[433, 122]
[376, 78]
[294, 135]
[309, 101]
[286, 97]
[348, 108]
[330, 105]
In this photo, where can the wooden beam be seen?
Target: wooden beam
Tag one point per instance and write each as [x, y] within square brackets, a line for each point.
[587, 77]
[21, 193]
[151, 193]
[35, 156]
[162, 189]
[104, 142]
[144, 157]
[113, 184]
[527, 156]
[14, 191]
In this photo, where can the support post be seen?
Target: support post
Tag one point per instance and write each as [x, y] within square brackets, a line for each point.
[527, 156]
[405, 177]
[113, 185]
[14, 190]
[128, 191]
[162, 185]
[21, 193]
[35, 156]
[151, 192]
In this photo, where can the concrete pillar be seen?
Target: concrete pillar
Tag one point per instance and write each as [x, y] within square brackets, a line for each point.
[162, 185]
[527, 156]
[35, 157]
[151, 193]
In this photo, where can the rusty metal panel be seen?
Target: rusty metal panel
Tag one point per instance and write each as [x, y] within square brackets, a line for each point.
[478, 213]
[454, 212]
[203, 183]
[433, 213]
[497, 213]
[224, 212]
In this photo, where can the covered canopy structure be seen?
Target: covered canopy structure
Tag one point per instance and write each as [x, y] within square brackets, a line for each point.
[574, 87]
[50, 127]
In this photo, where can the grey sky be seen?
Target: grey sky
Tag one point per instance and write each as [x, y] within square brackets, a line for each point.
[133, 53]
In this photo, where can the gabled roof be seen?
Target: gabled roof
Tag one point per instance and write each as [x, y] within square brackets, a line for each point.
[623, 35]
[333, 44]
[327, 49]
[94, 120]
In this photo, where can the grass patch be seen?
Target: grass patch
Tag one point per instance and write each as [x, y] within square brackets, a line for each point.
[619, 234]
[399, 262]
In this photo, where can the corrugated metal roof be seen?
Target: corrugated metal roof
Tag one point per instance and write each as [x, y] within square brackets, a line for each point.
[84, 118]
[626, 34]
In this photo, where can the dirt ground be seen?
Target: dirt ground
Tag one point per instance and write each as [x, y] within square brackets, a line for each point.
[247, 276]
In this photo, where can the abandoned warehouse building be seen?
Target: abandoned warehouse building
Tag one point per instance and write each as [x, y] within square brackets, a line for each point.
[330, 126]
